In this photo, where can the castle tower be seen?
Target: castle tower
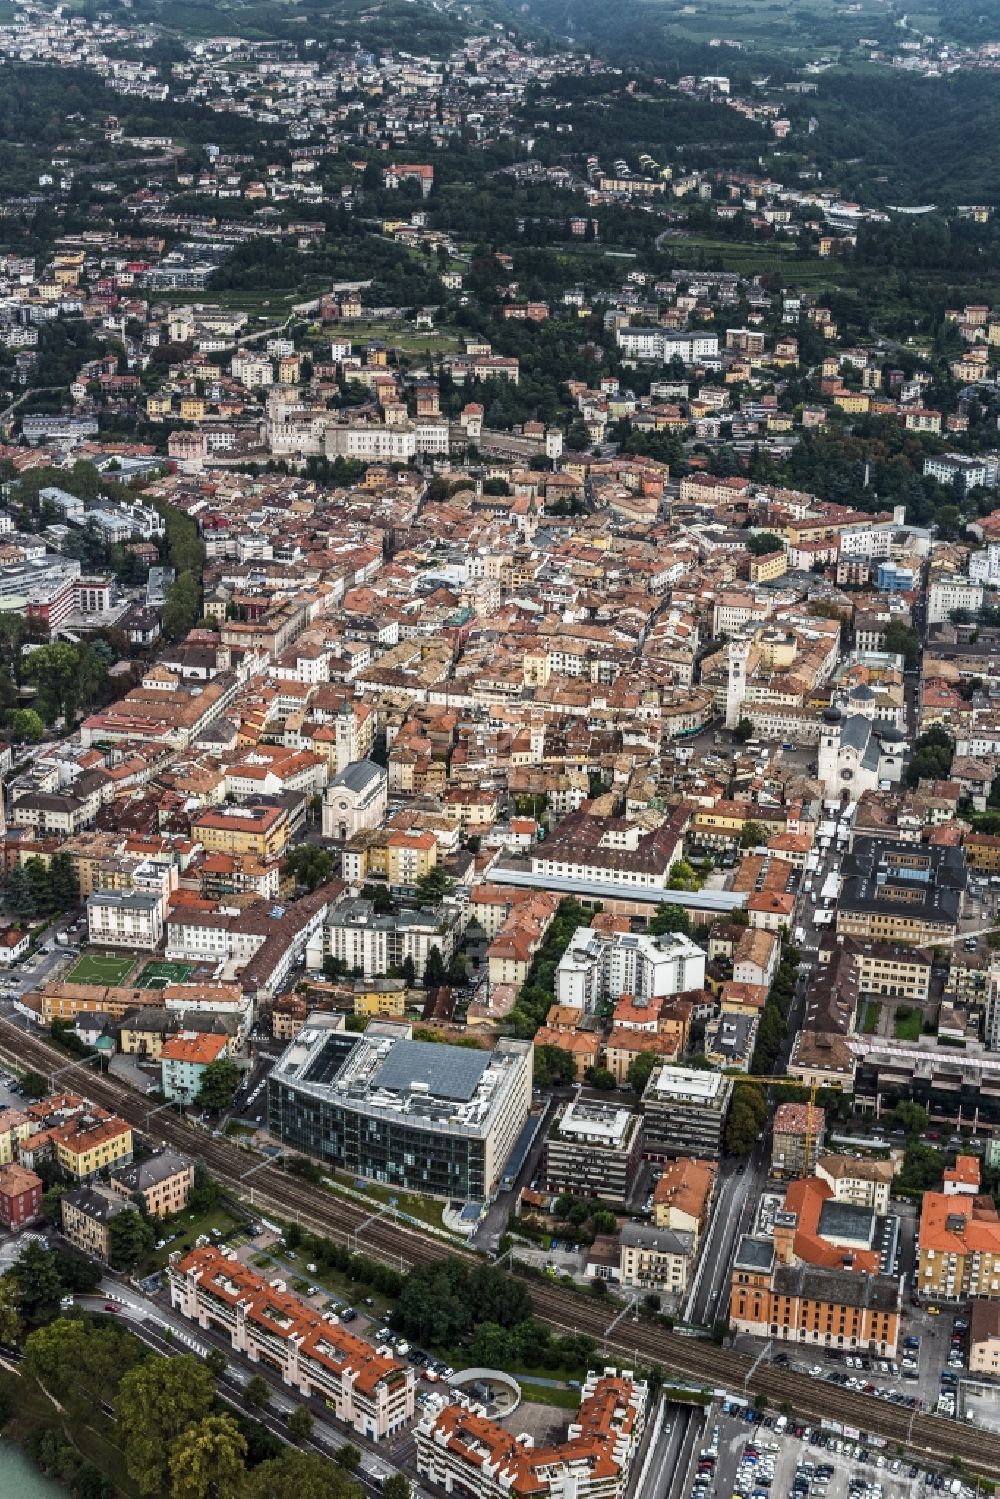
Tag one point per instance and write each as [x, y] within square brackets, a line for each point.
[736, 690]
[828, 760]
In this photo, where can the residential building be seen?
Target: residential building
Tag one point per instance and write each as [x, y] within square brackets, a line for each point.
[958, 1248]
[183, 1059]
[593, 1150]
[246, 829]
[20, 1196]
[89, 1143]
[984, 1338]
[796, 1139]
[360, 938]
[459, 1449]
[164, 1182]
[435, 1119]
[380, 997]
[685, 1111]
[683, 1194]
[945, 595]
[410, 854]
[655, 1259]
[86, 1216]
[598, 965]
[120, 918]
[365, 1387]
[865, 1183]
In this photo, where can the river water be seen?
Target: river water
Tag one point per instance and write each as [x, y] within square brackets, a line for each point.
[20, 1477]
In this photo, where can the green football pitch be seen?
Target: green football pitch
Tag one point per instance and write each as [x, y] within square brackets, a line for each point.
[99, 968]
[159, 975]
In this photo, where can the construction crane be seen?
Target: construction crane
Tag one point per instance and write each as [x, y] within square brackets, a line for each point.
[790, 1082]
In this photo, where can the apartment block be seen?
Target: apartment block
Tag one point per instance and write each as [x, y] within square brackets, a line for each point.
[459, 1449]
[365, 1387]
[594, 1150]
[686, 1112]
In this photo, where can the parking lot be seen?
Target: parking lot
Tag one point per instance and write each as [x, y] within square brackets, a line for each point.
[11, 1096]
[769, 1459]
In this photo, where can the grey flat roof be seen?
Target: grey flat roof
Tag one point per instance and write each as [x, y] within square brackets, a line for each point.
[847, 1220]
[754, 1254]
[718, 901]
[447, 1071]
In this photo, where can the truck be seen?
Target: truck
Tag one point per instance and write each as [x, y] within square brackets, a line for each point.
[799, 936]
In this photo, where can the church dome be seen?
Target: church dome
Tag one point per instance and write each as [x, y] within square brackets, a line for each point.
[832, 714]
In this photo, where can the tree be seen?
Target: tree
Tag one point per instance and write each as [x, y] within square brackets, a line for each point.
[63, 882]
[157, 1402]
[347, 1457]
[601, 1077]
[24, 726]
[41, 884]
[310, 866]
[743, 731]
[34, 1085]
[910, 1116]
[207, 1460]
[36, 1282]
[753, 835]
[206, 1191]
[300, 1475]
[435, 972]
[669, 918]
[434, 884]
[180, 609]
[219, 1082]
[408, 971]
[258, 1391]
[639, 1070]
[398, 1487]
[55, 669]
[931, 759]
[10, 1316]
[131, 1239]
[300, 1423]
[216, 1361]
[764, 543]
[902, 640]
[20, 893]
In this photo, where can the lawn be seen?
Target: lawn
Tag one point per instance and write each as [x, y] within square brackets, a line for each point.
[907, 1024]
[543, 1394]
[191, 1226]
[427, 1209]
[869, 1019]
[159, 975]
[401, 336]
[100, 968]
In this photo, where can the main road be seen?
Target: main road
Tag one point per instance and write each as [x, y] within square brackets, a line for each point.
[634, 1339]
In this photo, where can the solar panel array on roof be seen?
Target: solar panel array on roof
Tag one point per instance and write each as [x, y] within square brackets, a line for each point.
[446, 1071]
[332, 1056]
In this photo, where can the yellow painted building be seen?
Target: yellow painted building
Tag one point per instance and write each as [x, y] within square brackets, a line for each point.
[380, 997]
[84, 1152]
[14, 1128]
[410, 855]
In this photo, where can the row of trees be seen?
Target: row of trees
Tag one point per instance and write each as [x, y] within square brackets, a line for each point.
[36, 889]
[538, 992]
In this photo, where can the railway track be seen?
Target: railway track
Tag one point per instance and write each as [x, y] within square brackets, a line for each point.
[351, 1223]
